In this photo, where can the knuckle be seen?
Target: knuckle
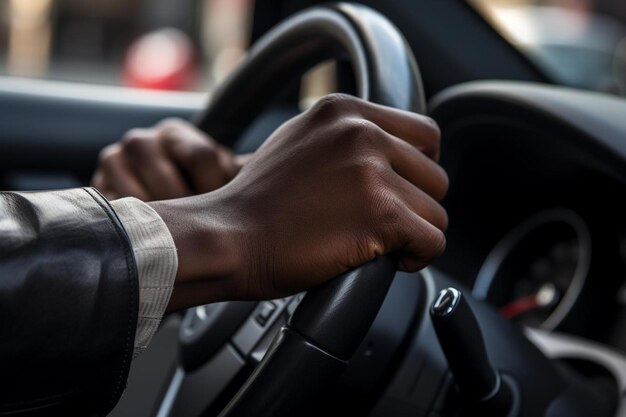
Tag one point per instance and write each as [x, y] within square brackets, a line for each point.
[170, 123]
[365, 127]
[135, 141]
[338, 98]
[331, 104]
[370, 172]
[108, 154]
[359, 133]
[170, 128]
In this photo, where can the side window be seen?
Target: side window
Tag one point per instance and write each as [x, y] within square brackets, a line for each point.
[158, 44]
[585, 49]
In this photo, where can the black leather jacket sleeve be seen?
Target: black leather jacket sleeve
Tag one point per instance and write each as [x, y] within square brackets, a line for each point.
[68, 304]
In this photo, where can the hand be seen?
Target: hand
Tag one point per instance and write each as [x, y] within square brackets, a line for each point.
[330, 190]
[171, 160]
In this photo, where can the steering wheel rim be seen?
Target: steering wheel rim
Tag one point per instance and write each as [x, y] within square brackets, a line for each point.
[316, 342]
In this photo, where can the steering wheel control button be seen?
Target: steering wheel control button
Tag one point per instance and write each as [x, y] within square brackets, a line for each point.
[294, 303]
[258, 324]
[199, 317]
[446, 302]
[264, 312]
[461, 340]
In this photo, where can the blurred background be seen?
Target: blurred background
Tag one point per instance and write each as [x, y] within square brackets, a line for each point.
[193, 44]
[581, 43]
[160, 44]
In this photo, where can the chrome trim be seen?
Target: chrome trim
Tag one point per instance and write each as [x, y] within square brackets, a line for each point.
[172, 392]
[497, 256]
[446, 302]
[561, 346]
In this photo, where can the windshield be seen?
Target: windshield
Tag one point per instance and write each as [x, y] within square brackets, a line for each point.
[580, 43]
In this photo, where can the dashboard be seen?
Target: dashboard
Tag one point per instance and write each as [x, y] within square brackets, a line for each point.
[536, 228]
[537, 210]
[536, 273]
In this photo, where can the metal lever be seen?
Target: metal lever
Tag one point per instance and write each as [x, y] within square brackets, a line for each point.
[477, 380]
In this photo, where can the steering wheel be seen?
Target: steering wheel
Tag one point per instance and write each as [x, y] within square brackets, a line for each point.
[325, 330]
[310, 352]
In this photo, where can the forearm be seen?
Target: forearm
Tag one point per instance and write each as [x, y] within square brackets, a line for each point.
[207, 264]
[83, 281]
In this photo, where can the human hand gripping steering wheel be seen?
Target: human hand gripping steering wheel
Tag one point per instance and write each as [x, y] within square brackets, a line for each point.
[333, 192]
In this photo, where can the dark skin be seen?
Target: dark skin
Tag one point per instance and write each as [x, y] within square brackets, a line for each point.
[170, 160]
[330, 190]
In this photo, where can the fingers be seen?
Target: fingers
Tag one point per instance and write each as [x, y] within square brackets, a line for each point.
[152, 166]
[408, 223]
[417, 168]
[206, 164]
[363, 136]
[423, 243]
[410, 144]
[171, 160]
[114, 178]
[420, 131]
[421, 203]
[413, 225]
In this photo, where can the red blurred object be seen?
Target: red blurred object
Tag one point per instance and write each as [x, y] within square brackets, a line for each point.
[162, 60]
[520, 306]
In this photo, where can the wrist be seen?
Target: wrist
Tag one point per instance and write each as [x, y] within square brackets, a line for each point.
[207, 256]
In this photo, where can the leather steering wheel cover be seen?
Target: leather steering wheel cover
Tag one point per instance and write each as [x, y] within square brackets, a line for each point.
[336, 316]
[384, 68]
[285, 53]
[332, 319]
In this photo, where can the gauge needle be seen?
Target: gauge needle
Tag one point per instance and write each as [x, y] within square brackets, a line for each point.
[546, 295]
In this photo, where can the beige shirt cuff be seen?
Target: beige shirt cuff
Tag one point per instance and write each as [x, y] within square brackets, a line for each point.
[157, 263]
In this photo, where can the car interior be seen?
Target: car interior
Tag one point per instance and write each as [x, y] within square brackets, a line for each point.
[524, 314]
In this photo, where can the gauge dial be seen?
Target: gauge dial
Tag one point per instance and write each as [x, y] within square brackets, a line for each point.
[535, 274]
